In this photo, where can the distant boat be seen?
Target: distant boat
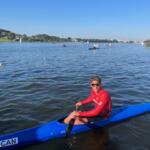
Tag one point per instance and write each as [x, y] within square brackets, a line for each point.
[95, 46]
[20, 40]
[110, 44]
[64, 45]
[142, 43]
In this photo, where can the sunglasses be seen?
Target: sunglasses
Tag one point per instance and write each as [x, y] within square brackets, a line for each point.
[95, 84]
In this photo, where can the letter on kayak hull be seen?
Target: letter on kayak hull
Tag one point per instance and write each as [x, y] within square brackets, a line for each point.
[8, 142]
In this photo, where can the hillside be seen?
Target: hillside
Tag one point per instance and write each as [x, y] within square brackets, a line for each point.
[6, 36]
[147, 43]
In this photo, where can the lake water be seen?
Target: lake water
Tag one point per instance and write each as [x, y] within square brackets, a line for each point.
[41, 81]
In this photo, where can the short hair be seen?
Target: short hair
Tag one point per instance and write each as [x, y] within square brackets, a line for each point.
[96, 78]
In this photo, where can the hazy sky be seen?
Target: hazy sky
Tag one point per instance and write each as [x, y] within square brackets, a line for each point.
[120, 19]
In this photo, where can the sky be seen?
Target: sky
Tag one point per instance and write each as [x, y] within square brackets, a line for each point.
[111, 19]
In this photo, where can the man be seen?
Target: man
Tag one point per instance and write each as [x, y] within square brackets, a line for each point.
[102, 104]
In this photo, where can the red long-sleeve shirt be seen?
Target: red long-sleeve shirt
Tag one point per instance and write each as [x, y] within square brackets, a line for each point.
[102, 101]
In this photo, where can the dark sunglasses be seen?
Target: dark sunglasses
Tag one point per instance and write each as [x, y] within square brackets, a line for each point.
[95, 84]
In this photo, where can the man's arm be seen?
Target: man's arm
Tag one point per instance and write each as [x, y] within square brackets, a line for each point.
[97, 110]
[86, 101]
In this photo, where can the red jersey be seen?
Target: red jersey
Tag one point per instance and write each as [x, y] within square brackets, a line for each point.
[103, 104]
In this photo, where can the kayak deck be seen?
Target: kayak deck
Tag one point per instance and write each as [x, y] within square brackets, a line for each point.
[57, 129]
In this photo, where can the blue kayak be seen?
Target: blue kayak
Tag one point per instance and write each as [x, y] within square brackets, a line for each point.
[57, 129]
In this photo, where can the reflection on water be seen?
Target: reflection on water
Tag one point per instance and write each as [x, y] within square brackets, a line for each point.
[92, 140]
[131, 134]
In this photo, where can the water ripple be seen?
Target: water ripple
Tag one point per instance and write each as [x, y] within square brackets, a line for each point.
[41, 81]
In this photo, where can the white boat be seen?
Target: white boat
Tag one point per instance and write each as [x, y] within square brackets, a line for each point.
[110, 44]
[142, 43]
[95, 46]
[20, 40]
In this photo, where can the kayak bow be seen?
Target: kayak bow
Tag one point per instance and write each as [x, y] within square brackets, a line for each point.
[57, 129]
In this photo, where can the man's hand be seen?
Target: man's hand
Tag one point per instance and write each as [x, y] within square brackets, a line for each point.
[75, 114]
[78, 104]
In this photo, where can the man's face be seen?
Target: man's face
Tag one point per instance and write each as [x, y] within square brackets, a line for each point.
[95, 85]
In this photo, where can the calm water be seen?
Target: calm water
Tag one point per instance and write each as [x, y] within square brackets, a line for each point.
[39, 82]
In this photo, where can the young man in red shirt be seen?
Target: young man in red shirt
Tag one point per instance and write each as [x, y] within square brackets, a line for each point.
[102, 104]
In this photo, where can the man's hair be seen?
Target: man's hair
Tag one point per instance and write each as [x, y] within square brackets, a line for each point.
[96, 78]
